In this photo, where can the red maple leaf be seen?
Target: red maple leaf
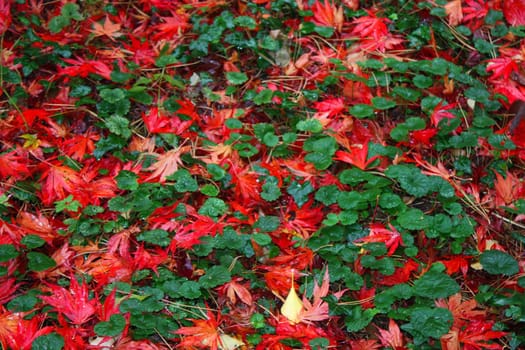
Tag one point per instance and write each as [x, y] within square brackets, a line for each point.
[474, 13]
[80, 67]
[302, 332]
[19, 333]
[5, 15]
[58, 181]
[172, 27]
[72, 302]
[357, 156]
[107, 268]
[366, 297]
[298, 258]
[328, 15]
[246, 182]
[330, 106]
[423, 137]
[456, 263]
[143, 53]
[8, 287]
[507, 188]
[502, 67]
[470, 326]
[463, 312]
[514, 12]
[200, 226]
[371, 26]
[303, 221]
[479, 334]
[279, 278]
[378, 233]
[400, 275]
[374, 33]
[156, 121]
[79, 145]
[14, 164]
[144, 259]
[441, 112]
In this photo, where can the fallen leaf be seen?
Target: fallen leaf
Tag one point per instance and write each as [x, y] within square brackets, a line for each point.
[109, 29]
[227, 342]
[293, 306]
[454, 12]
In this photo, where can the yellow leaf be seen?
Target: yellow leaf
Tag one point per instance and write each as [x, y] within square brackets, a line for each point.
[292, 307]
[477, 266]
[227, 342]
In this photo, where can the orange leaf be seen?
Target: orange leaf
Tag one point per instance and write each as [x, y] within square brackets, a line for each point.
[167, 163]
[392, 337]
[204, 334]
[454, 12]
[328, 15]
[463, 312]
[234, 289]
[172, 26]
[506, 188]
[109, 29]
[364, 344]
[318, 309]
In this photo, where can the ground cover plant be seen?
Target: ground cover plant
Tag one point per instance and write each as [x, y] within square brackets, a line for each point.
[283, 174]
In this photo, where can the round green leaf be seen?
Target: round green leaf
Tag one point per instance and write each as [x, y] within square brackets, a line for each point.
[435, 285]
[209, 190]
[213, 207]
[382, 103]
[158, 236]
[236, 78]
[127, 180]
[422, 81]
[413, 219]
[111, 328]
[311, 125]
[112, 95]
[497, 262]
[215, 276]
[267, 223]
[32, 241]
[362, 111]
[7, 252]
[427, 323]
[52, 341]
[39, 262]
[262, 238]
[407, 93]
[189, 290]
